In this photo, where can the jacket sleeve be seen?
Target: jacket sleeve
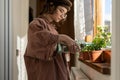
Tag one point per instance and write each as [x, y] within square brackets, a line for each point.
[41, 42]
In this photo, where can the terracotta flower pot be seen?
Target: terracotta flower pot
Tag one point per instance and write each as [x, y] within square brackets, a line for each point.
[107, 56]
[96, 56]
[84, 55]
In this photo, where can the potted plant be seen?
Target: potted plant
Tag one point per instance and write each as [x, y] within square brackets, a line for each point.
[85, 53]
[103, 32]
[97, 44]
[101, 40]
[94, 50]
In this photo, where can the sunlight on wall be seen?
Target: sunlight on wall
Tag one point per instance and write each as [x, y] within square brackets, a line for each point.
[21, 46]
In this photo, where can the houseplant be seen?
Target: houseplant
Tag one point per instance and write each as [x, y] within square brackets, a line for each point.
[85, 53]
[97, 43]
[101, 40]
[104, 32]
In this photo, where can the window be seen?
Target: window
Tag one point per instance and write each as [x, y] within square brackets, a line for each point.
[102, 13]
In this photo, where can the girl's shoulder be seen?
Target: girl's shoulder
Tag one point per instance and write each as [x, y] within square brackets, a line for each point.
[38, 21]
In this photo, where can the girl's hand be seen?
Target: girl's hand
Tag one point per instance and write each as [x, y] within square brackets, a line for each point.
[69, 42]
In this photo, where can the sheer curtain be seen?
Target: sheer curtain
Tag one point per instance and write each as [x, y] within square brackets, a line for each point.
[83, 19]
[79, 19]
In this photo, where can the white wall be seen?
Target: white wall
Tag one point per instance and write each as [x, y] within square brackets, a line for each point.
[19, 27]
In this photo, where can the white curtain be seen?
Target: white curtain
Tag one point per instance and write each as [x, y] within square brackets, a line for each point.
[79, 20]
[83, 19]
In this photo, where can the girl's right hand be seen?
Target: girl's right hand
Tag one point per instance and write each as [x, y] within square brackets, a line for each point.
[69, 42]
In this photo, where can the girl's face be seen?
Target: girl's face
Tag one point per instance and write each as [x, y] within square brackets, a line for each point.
[59, 14]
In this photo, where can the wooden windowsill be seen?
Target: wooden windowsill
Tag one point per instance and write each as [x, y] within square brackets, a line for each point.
[103, 68]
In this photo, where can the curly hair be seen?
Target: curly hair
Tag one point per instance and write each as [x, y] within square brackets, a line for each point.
[51, 5]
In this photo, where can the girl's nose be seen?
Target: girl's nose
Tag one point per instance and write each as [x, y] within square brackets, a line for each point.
[63, 16]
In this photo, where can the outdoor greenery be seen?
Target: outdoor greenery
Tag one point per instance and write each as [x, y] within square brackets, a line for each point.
[104, 34]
